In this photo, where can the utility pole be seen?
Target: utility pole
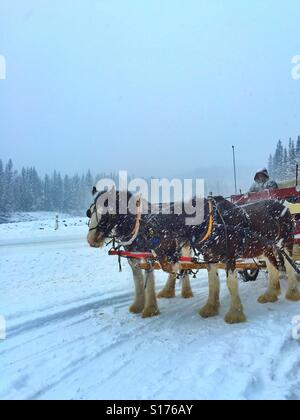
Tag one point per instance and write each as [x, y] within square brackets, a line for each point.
[234, 167]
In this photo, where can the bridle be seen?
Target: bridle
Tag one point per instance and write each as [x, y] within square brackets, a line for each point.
[134, 231]
[90, 214]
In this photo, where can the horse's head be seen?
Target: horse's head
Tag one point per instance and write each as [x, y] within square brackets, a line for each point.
[104, 215]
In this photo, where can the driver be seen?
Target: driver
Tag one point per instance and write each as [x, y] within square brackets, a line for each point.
[263, 182]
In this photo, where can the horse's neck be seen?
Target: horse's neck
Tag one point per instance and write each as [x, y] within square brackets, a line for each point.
[125, 225]
[230, 213]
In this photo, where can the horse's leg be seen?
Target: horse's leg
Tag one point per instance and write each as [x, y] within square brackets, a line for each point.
[213, 304]
[151, 307]
[293, 292]
[186, 291]
[139, 282]
[236, 313]
[168, 291]
[274, 289]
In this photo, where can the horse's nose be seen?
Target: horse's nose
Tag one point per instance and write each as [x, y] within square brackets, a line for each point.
[89, 213]
[91, 241]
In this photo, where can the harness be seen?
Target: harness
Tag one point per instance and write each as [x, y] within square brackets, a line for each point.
[136, 228]
[210, 222]
[213, 204]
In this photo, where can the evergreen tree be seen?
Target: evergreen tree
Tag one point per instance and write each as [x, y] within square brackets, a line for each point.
[271, 166]
[26, 191]
[47, 204]
[285, 166]
[2, 198]
[298, 150]
[278, 161]
[292, 160]
[67, 205]
[9, 187]
[282, 165]
[57, 191]
[88, 186]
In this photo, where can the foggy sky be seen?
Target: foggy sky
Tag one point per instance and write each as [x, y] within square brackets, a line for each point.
[157, 87]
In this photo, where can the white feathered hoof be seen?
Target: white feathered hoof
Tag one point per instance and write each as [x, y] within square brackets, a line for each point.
[209, 311]
[150, 312]
[268, 297]
[136, 308]
[166, 294]
[293, 295]
[235, 317]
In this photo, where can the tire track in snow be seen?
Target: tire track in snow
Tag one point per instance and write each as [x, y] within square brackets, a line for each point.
[117, 351]
[138, 330]
[65, 314]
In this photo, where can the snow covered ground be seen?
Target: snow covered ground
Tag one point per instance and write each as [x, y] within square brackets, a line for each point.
[69, 333]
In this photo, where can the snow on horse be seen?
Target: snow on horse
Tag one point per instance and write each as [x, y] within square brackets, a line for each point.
[231, 232]
[228, 233]
[134, 232]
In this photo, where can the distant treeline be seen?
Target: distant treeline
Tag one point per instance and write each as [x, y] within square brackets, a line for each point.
[282, 164]
[26, 191]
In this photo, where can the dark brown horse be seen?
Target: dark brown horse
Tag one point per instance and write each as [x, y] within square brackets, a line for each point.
[137, 232]
[255, 230]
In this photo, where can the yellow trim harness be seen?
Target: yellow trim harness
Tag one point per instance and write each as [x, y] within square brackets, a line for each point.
[136, 228]
[211, 222]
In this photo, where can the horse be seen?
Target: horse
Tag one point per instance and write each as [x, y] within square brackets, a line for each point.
[136, 232]
[264, 228]
[230, 232]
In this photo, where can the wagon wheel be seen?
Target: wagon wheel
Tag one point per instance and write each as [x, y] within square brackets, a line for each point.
[249, 275]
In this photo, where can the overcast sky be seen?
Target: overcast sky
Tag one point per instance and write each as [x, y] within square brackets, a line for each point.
[152, 86]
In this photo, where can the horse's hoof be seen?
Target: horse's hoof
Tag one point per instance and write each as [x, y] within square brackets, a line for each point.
[187, 294]
[208, 311]
[235, 317]
[150, 312]
[166, 294]
[136, 309]
[293, 295]
[268, 298]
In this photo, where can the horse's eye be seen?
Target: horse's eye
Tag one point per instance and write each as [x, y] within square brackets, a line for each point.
[89, 213]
